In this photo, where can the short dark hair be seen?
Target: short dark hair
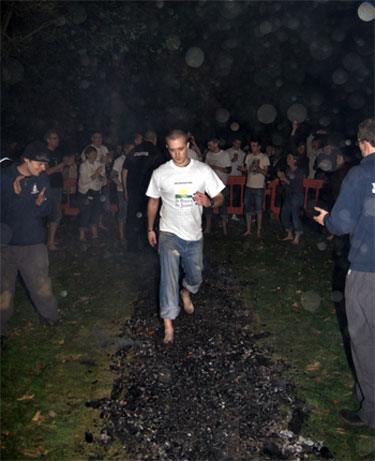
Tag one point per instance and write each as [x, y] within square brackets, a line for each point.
[366, 131]
[89, 149]
[150, 135]
[175, 134]
[48, 133]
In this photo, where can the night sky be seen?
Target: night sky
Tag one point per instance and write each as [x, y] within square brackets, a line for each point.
[211, 67]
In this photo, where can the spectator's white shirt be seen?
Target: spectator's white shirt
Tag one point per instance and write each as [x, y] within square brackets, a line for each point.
[101, 157]
[176, 186]
[237, 158]
[221, 159]
[116, 171]
[256, 180]
[192, 154]
[86, 170]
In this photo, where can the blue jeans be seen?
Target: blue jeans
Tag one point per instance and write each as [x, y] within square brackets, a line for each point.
[291, 213]
[253, 201]
[56, 214]
[173, 250]
[104, 200]
[89, 206]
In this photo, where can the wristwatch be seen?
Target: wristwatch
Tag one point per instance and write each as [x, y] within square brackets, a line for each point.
[212, 201]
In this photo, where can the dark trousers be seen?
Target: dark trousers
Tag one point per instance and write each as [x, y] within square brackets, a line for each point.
[360, 301]
[136, 221]
[89, 207]
[31, 261]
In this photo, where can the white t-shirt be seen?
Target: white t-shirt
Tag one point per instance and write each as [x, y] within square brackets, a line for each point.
[255, 180]
[86, 170]
[116, 171]
[237, 158]
[176, 186]
[192, 154]
[101, 157]
[221, 159]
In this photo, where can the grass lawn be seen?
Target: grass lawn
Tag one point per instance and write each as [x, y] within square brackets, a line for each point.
[280, 275]
[47, 376]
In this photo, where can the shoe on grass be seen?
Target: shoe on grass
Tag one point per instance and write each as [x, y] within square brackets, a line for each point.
[352, 418]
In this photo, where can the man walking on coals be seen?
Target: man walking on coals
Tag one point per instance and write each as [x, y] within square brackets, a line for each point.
[184, 186]
[354, 214]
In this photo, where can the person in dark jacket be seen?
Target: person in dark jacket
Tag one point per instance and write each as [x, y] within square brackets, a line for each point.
[354, 214]
[26, 199]
[136, 175]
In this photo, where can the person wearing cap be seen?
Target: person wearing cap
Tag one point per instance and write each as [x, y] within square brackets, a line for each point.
[25, 200]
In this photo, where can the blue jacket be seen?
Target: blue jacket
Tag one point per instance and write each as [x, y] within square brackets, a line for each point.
[354, 214]
[21, 219]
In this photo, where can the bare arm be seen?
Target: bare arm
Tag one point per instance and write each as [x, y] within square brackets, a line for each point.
[125, 182]
[195, 146]
[55, 169]
[204, 200]
[320, 218]
[152, 209]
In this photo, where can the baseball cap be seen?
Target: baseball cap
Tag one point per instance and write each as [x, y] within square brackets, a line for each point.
[36, 151]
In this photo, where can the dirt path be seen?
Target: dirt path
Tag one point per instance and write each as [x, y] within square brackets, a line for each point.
[211, 395]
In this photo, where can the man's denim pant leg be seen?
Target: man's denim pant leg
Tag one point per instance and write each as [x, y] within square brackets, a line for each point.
[172, 251]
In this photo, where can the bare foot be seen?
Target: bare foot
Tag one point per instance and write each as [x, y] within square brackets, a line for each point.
[102, 226]
[188, 305]
[288, 237]
[295, 242]
[168, 331]
[259, 235]
[52, 247]
[246, 233]
[168, 336]
[206, 232]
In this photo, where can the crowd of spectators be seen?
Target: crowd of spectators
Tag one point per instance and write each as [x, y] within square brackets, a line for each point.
[102, 181]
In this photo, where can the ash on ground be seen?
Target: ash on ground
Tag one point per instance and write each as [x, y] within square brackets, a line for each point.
[213, 394]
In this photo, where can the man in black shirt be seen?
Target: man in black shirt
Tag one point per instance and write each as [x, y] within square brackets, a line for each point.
[136, 175]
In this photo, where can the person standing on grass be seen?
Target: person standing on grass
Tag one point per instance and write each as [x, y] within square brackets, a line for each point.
[182, 185]
[292, 180]
[220, 162]
[91, 173]
[256, 169]
[354, 213]
[26, 199]
[54, 170]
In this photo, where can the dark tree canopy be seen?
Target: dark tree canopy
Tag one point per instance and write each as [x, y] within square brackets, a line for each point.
[121, 66]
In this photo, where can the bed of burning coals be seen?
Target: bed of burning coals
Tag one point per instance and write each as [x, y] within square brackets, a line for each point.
[212, 395]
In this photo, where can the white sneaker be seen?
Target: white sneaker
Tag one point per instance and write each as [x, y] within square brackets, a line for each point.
[235, 218]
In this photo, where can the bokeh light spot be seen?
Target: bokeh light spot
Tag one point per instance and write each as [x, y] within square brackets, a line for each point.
[194, 57]
[297, 112]
[267, 113]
